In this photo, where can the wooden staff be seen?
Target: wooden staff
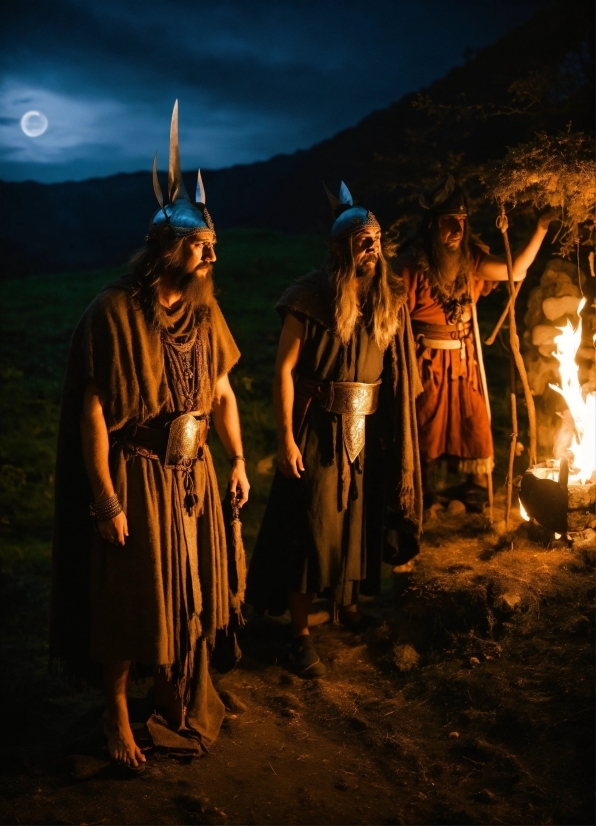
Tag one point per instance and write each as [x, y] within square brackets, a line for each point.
[480, 359]
[491, 339]
[516, 361]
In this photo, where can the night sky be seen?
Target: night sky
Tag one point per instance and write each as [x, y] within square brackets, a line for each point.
[254, 79]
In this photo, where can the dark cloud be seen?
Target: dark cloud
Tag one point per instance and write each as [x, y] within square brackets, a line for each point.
[254, 78]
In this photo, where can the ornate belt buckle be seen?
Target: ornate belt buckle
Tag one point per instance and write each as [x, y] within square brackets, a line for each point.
[183, 440]
[353, 427]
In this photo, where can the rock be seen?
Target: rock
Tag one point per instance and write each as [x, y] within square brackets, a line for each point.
[544, 335]
[510, 602]
[474, 661]
[287, 700]
[585, 352]
[584, 541]
[534, 314]
[454, 735]
[432, 513]
[559, 278]
[405, 658]
[455, 507]
[357, 722]
[232, 702]
[546, 350]
[542, 370]
[581, 496]
[554, 308]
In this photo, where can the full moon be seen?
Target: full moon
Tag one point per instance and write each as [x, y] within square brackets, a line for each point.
[34, 124]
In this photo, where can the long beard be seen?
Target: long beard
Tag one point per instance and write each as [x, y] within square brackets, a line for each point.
[448, 269]
[370, 294]
[197, 296]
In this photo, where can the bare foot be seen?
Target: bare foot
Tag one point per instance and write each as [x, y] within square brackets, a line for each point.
[121, 743]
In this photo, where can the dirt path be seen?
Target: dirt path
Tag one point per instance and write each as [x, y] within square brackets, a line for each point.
[472, 703]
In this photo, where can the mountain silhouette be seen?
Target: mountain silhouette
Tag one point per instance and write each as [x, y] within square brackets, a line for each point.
[538, 76]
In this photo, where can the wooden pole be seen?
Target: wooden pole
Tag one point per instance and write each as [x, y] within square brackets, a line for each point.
[516, 361]
[491, 339]
[512, 439]
[502, 224]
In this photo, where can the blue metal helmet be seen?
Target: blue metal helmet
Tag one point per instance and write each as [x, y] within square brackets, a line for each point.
[184, 217]
[348, 218]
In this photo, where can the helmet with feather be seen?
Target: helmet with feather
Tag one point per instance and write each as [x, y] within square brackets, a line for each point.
[180, 214]
[446, 198]
[348, 218]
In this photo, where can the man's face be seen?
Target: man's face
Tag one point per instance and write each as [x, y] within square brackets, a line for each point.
[451, 230]
[199, 253]
[366, 248]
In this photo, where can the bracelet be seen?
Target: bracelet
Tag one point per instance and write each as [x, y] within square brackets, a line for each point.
[108, 509]
[237, 459]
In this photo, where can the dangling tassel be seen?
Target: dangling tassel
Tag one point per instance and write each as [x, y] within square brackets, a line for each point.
[191, 500]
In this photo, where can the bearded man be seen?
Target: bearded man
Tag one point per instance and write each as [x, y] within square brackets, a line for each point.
[318, 534]
[446, 271]
[148, 369]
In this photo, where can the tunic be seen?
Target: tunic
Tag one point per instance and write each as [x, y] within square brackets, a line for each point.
[320, 533]
[453, 419]
[161, 598]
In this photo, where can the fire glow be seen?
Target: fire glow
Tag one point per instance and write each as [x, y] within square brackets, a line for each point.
[582, 466]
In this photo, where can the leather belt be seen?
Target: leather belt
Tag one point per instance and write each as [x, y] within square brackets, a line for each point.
[440, 344]
[176, 440]
[342, 397]
[441, 336]
[352, 400]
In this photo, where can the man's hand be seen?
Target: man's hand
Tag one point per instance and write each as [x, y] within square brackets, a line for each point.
[238, 484]
[114, 530]
[549, 215]
[289, 460]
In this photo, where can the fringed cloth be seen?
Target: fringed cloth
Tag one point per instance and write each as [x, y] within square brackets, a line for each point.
[452, 411]
[311, 297]
[161, 599]
[316, 534]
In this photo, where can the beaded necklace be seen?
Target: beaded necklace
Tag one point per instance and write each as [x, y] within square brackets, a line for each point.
[182, 359]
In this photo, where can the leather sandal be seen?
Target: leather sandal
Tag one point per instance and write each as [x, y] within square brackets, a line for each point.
[305, 659]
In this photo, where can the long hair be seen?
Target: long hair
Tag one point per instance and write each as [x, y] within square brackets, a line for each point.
[378, 304]
[163, 260]
[448, 271]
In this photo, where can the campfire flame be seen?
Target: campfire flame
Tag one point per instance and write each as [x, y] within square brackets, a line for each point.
[522, 511]
[582, 465]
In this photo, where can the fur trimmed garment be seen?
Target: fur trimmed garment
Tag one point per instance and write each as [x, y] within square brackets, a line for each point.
[160, 599]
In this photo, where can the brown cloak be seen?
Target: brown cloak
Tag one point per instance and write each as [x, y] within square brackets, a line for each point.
[161, 598]
[322, 532]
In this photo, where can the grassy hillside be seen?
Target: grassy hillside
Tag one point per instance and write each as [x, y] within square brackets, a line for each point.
[39, 314]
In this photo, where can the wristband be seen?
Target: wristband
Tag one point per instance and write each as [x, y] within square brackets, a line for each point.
[108, 509]
[237, 458]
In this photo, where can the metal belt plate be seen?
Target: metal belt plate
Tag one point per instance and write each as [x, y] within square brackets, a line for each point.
[183, 441]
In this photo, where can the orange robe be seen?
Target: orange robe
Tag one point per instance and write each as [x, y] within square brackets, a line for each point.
[453, 420]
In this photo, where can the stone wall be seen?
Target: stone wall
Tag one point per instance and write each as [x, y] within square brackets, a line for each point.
[550, 304]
